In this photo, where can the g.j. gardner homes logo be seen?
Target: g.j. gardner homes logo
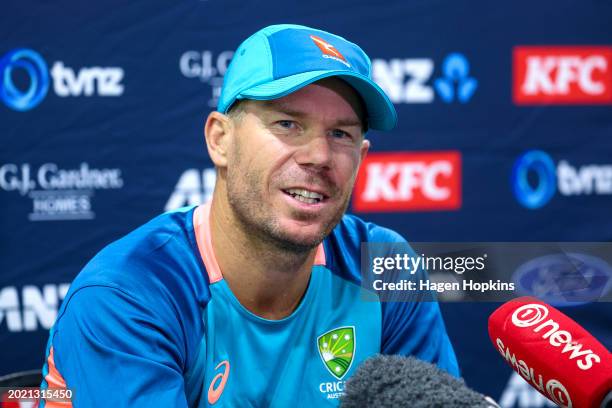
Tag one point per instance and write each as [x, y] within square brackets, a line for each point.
[337, 348]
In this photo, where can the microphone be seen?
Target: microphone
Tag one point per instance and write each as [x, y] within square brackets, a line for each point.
[396, 381]
[553, 353]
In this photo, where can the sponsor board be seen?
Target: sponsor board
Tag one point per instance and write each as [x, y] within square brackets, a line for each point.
[414, 80]
[578, 75]
[193, 187]
[25, 80]
[548, 178]
[59, 193]
[405, 80]
[409, 181]
[565, 279]
[207, 66]
[30, 307]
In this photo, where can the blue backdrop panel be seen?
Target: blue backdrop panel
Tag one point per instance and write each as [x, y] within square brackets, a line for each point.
[102, 107]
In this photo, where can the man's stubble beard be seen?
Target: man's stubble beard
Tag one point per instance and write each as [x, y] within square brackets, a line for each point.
[247, 206]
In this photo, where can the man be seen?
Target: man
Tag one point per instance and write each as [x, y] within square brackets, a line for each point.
[253, 299]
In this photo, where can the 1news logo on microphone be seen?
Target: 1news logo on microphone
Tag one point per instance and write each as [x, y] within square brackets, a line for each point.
[552, 353]
[538, 313]
[532, 314]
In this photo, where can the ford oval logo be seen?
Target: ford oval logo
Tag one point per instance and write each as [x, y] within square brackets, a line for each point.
[564, 279]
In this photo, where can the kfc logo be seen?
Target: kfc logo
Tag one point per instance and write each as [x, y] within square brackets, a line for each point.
[409, 182]
[562, 75]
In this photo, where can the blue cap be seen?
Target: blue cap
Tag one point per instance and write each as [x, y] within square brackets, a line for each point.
[280, 59]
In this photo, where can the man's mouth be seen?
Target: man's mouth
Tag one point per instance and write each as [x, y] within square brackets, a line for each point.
[305, 196]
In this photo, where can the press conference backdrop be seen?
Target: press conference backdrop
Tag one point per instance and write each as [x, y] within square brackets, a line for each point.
[504, 134]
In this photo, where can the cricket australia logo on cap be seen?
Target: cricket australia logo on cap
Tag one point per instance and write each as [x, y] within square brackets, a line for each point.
[337, 348]
[329, 51]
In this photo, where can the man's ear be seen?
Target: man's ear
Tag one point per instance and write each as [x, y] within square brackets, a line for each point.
[218, 132]
[365, 146]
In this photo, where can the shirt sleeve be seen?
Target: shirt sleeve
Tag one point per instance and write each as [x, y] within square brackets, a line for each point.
[413, 325]
[113, 350]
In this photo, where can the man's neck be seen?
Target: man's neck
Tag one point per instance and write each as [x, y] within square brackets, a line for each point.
[268, 281]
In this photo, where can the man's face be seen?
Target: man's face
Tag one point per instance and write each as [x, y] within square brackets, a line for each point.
[292, 166]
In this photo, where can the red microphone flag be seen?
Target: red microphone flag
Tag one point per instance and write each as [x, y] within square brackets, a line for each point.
[552, 352]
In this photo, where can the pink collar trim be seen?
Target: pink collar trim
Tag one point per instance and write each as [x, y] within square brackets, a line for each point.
[201, 224]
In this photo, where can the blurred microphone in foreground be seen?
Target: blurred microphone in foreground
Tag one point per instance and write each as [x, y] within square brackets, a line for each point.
[396, 381]
[553, 353]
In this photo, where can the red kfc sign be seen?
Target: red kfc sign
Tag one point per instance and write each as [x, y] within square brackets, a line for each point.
[408, 182]
[562, 75]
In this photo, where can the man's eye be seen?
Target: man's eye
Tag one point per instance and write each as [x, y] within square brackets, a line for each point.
[340, 134]
[287, 124]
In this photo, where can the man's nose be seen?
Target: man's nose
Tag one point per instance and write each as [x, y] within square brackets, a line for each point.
[315, 152]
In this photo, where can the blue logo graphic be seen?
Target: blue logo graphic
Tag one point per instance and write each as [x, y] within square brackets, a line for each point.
[564, 279]
[35, 67]
[456, 82]
[546, 183]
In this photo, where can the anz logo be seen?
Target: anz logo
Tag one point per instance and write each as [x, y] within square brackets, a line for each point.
[193, 187]
[30, 307]
[412, 80]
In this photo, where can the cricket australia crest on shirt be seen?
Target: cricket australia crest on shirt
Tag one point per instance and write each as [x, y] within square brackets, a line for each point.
[337, 348]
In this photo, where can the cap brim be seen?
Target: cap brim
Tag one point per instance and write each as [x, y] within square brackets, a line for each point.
[380, 110]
